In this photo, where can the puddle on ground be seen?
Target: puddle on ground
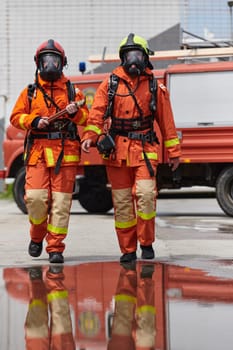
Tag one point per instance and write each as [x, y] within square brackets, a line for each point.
[104, 305]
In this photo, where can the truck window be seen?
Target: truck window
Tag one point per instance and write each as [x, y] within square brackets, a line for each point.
[203, 98]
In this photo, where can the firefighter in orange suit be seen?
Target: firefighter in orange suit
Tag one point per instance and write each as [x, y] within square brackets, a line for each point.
[52, 148]
[122, 122]
[134, 319]
[48, 321]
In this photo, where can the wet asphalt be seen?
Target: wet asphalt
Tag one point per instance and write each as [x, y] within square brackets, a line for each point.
[185, 228]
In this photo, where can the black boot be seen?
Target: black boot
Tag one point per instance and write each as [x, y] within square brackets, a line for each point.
[35, 273]
[147, 271]
[56, 257]
[130, 265]
[35, 249]
[128, 257]
[56, 269]
[147, 252]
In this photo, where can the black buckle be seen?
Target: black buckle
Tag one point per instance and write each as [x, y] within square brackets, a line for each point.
[147, 137]
[54, 135]
[134, 136]
[136, 124]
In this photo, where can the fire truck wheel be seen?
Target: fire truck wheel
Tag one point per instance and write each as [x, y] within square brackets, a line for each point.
[94, 197]
[18, 190]
[224, 190]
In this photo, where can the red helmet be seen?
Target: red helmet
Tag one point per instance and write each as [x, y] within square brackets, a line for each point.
[50, 46]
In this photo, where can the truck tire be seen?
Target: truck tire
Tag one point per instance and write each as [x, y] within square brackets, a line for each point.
[224, 190]
[94, 197]
[18, 190]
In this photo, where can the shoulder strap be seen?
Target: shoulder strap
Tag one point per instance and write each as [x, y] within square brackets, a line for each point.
[31, 90]
[70, 91]
[112, 88]
[153, 90]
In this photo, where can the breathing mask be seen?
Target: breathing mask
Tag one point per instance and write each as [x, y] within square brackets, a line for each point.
[134, 62]
[50, 66]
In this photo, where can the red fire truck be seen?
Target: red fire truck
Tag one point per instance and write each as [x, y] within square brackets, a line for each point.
[201, 97]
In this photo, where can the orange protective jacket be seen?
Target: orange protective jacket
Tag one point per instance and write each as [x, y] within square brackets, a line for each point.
[23, 115]
[127, 149]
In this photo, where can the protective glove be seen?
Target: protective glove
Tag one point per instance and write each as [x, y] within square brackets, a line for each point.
[40, 123]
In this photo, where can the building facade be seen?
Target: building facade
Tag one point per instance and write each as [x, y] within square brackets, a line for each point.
[91, 27]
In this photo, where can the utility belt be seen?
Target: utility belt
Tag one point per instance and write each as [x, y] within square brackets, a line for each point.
[130, 127]
[150, 136]
[107, 145]
[139, 123]
[70, 133]
[55, 135]
[60, 129]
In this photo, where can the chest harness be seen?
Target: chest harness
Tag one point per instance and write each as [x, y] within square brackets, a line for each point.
[62, 128]
[131, 127]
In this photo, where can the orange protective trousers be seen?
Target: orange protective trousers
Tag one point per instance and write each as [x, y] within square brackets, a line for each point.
[48, 198]
[48, 322]
[134, 200]
[134, 319]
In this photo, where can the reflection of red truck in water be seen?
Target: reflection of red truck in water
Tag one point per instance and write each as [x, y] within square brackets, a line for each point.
[190, 310]
[91, 289]
[201, 97]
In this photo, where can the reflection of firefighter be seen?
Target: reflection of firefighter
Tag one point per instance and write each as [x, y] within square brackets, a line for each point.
[133, 325]
[44, 330]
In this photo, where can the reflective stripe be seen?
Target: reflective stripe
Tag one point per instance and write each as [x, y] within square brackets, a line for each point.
[126, 224]
[147, 216]
[93, 128]
[57, 230]
[71, 158]
[84, 117]
[146, 308]
[125, 297]
[37, 302]
[37, 221]
[49, 156]
[21, 121]
[151, 155]
[172, 142]
[59, 294]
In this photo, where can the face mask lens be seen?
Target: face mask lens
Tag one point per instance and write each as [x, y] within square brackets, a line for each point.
[50, 60]
[135, 54]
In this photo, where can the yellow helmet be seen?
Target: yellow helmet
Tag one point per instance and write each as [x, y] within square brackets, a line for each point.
[134, 42]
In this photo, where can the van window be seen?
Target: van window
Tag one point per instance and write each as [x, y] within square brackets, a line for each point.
[204, 98]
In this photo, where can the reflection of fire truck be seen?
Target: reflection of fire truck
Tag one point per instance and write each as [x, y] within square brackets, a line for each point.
[192, 306]
[91, 288]
[203, 109]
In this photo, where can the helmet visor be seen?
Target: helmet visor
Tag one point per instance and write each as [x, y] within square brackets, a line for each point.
[134, 54]
[50, 59]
